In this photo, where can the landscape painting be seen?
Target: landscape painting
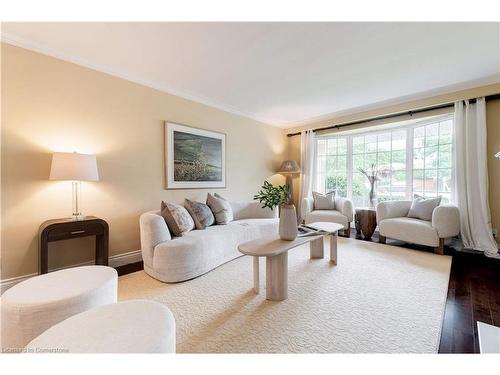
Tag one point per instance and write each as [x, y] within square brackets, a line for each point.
[195, 158]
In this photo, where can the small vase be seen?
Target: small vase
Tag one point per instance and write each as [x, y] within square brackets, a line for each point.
[288, 222]
[372, 196]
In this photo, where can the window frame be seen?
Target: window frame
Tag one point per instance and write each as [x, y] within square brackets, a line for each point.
[437, 169]
[389, 128]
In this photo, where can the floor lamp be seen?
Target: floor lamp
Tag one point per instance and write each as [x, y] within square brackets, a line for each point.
[289, 168]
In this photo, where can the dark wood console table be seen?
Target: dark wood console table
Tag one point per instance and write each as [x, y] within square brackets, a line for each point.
[63, 229]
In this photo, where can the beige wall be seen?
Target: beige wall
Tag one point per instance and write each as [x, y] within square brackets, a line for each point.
[493, 128]
[51, 105]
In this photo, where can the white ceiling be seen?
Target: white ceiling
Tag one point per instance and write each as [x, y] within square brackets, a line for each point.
[279, 73]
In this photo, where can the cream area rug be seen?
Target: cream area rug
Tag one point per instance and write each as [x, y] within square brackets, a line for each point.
[378, 299]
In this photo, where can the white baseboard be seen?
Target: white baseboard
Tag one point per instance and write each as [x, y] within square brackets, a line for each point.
[125, 258]
[114, 261]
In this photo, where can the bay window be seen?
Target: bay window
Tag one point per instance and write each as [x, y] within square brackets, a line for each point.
[432, 160]
[332, 164]
[419, 156]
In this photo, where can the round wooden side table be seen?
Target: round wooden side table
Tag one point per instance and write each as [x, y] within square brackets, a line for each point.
[366, 221]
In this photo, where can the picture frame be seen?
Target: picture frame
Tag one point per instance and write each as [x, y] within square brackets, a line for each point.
[194, 158]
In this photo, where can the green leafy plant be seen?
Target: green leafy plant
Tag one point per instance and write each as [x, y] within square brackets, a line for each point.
[272, 196]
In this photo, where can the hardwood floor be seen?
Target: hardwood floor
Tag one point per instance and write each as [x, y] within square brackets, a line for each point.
[473, 294]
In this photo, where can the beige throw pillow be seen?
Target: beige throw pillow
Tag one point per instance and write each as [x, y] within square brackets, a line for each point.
[324, 201]
[220, 208]
[422, 208]
[177, 218]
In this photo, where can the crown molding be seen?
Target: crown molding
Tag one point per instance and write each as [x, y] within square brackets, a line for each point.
[45, 50]
[285, 125]
[484, 82]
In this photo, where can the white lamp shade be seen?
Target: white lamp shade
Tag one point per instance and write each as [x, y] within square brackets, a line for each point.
[73, 166]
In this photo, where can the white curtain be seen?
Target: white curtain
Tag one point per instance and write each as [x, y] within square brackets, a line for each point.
[471, 177]
[307, 147]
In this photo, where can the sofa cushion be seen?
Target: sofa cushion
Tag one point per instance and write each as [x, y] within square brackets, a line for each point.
[200, 251]
[324, 201]
[330, 216]
[220, 208]
[409, 230]
[256, 228]
[177, 218]
[200, 212]
[421, 208]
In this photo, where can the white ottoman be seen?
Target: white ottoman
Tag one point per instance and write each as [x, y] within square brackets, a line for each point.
[32, 306]
[135, 326]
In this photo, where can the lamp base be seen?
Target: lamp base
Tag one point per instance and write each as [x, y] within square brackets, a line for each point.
[77, 196]
[289, 184]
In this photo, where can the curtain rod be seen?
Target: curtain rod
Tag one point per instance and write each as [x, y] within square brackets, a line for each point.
[384, 117]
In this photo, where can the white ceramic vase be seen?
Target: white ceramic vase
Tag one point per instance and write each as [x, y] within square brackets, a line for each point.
[288, 222]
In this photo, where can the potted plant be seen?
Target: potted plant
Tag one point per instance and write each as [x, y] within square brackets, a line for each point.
[374, 175]
[273, 196]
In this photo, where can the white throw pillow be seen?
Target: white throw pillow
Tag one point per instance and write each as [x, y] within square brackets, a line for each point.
[324, 201]
[220, 208]
[422, 208]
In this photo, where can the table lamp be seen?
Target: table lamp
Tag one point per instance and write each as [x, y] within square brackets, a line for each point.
[288, 168]
[74, 167]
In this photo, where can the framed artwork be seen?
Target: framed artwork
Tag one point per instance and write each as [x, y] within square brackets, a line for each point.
[195, 158]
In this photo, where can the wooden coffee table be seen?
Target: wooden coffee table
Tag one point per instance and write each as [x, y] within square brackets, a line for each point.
[276, 252]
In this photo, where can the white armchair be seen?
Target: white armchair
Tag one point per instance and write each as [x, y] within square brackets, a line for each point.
[393, 222]
[342, 214]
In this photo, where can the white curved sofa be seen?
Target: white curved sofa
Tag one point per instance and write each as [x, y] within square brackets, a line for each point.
[393, 222]
[173, 259]
[343, 213]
